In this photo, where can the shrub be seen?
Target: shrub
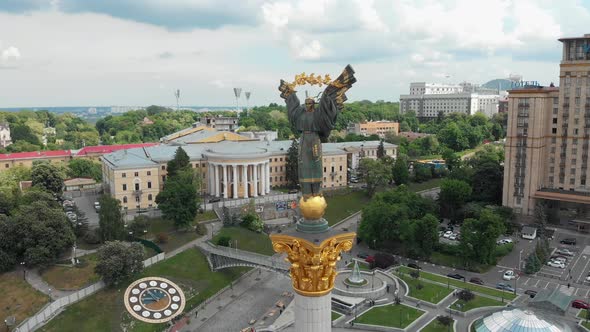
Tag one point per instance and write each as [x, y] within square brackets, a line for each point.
[162, 237]
[466, 295]
[444, 320]
[419, 286]
[7, 261]
[92, 237]
[223, 241]
[504, 249]
[415, 274]
[201, 229]
[383, 261]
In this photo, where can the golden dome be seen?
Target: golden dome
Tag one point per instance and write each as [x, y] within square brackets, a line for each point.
[313, 208]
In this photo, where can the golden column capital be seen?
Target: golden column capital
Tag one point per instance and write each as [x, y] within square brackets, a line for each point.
[313, 267]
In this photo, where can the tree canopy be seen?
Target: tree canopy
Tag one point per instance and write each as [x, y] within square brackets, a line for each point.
[110, 219]
[118, 261]
[47, 176]
[178, 201]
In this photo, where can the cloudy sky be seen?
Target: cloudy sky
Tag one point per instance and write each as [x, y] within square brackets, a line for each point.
[136, 52]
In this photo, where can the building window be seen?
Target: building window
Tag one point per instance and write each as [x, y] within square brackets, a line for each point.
[124, 175]
[163, 167]
[149, 197]
[149, 173]
[324, 169]
[572, 181]
[124, 187]
[573, 171]
[281, 178]
[163, 178]
[125, 199]
[281, 168]
[276, 160]
[554, 130]
[149, 184]
[136, 174]
[137, 199]
[340, 168]
[554, 120]
[280, 159]
[6, 165]
[271, 179]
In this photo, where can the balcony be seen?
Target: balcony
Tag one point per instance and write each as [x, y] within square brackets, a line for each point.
[522, 124]
[137, 192]
[523, 114]
[524, 105]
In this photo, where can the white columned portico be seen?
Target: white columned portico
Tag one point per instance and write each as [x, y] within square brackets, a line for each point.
[225, 182]
[267, 176]
[255, 180]
[216, 171]
[234, 168]
[245, 179]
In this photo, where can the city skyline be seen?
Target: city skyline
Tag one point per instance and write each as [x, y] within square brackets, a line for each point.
[68, 53]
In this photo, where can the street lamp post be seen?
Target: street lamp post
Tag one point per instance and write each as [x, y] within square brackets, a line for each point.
[24, 270]
[520, 260]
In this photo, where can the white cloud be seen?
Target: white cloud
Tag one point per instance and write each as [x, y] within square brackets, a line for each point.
[10, 53]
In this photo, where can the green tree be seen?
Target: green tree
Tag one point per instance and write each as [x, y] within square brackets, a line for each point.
[451, 158]
[381, 150]
[375, 173]
[400, 172]
[453, 195]
[110, 219]
[139, 225]
[178, 200]
[488, 176]
[180, 162]
[540, 216]
[84, 168]
[422, 172]
[478, 237]
[48, 177]
[292, 166]
[36, 234]
[118, 261]
[426, 234]
[452, 136]
[532, 265]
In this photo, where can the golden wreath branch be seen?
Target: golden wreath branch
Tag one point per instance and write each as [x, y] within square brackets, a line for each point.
[313, 79]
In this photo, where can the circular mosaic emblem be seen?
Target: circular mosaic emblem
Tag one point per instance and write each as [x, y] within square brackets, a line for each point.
[154, 300]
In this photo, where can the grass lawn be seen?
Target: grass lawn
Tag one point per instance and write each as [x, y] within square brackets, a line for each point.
[207, 215]
[415, 187]
[586, 325]
[582, 314]
[105, 311]
[247, 239]
[477, 302]
[335, 315]
[178, 239]
[342, 206]
[72, 278]
[429, 292]
[18, 298]
[460, 284]
[362, 266]
[391, 315]
[435, 326]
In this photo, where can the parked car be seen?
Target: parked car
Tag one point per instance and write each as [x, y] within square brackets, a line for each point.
[505, 287]
[447, 234]
[560, 259]
[215, 200]
[556, 264]
[530, 293]
[441, 233]
[453, 236]
[503, 241]
[370, 259]
[509, 275]
[476, 281]
[456, 276]
[588, 277]
[564, 251]
[579, 304]
[293, 191]
[97, 206]
[414, 266]
[570, 241]
[354, 181]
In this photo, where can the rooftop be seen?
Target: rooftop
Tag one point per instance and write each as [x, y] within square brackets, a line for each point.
[35, 155]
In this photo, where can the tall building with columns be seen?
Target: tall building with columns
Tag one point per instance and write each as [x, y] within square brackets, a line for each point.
[231, 166]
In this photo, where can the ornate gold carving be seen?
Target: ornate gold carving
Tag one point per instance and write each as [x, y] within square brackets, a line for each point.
[313, 267]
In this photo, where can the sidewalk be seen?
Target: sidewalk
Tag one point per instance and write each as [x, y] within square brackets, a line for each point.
[34, 279]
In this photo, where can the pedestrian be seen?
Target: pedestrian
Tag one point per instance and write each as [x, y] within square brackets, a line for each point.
[196, 313]
[568, 285]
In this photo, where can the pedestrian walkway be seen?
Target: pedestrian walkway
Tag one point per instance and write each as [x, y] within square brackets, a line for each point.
[34, 279]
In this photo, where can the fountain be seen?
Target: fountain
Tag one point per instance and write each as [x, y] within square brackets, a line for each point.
[355, 279]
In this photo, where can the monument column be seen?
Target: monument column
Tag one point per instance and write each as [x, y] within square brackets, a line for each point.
[255, 180]
[267, 170]
[234, 168]
[225, 182]
[245, 179]
[262, 180]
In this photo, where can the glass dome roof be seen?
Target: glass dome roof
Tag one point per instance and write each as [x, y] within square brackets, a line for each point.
[515, 320]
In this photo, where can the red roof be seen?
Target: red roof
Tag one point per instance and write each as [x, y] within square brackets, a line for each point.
[102, 149]
[36, 154]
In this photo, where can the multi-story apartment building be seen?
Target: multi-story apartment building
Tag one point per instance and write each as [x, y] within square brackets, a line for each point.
[374, 128]
[230, 168]
[221, 123]
[5, 139]
[548, 139]
[429, 100]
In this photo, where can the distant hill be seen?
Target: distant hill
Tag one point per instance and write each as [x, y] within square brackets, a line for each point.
[503, 83]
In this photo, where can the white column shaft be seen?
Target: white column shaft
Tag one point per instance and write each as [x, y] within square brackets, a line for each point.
[245, 180]
[267, 170]
[255, 181]
[216, 171]
[225, 182]
[234, 168]
[313, 314]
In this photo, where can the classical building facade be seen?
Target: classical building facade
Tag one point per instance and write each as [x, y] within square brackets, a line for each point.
[374, 128]
[5, 139]
[548, 139]
[231, 168]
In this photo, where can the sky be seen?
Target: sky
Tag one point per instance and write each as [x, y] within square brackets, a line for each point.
[138, 52]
